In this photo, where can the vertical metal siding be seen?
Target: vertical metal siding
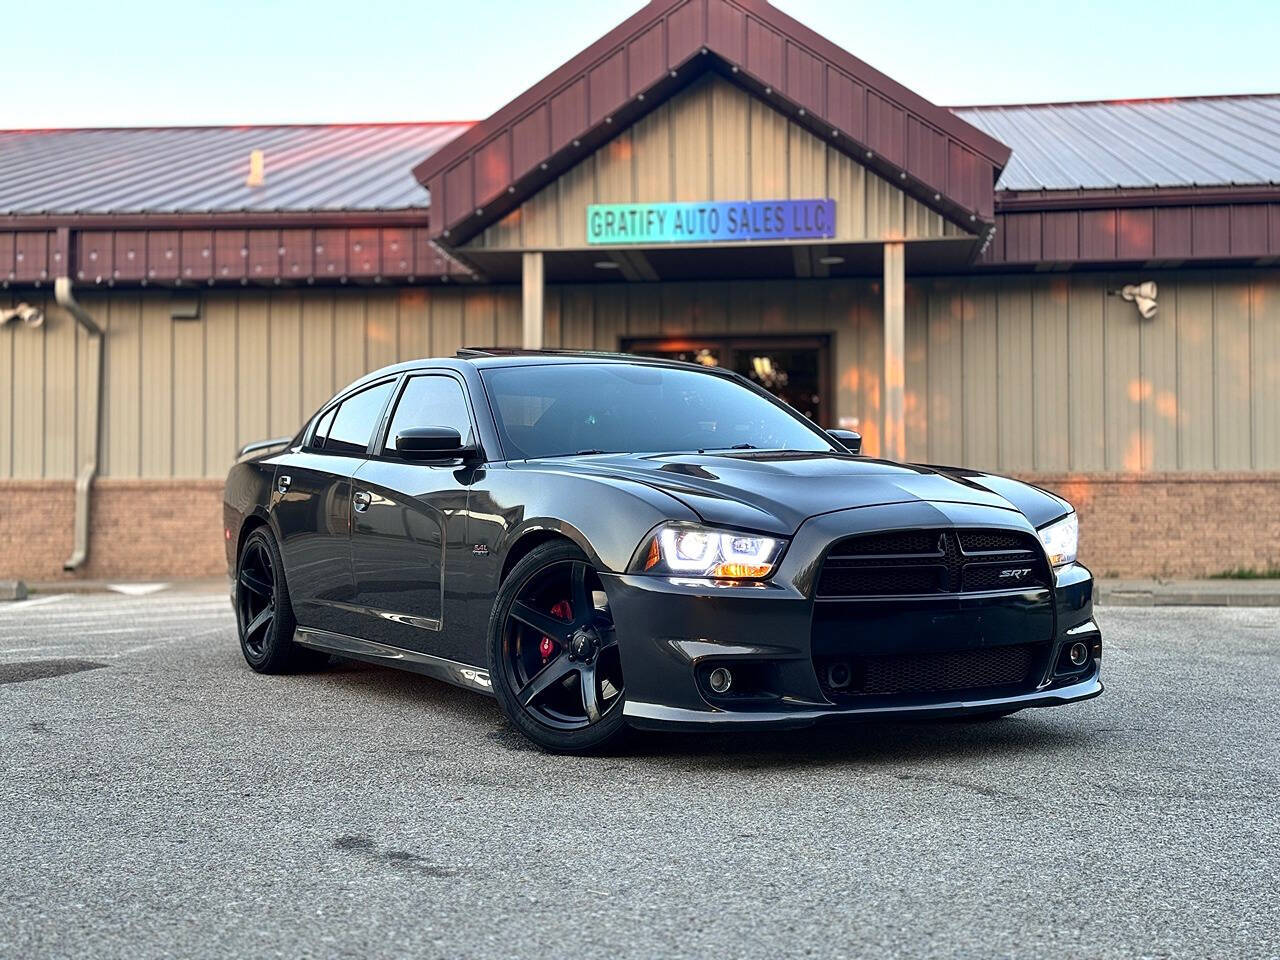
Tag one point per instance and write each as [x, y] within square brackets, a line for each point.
[713, 140]
[155, 431]
[1122, 382]
[1015, 373]
[1049, 369]
[1265, 311]
[1015, 392]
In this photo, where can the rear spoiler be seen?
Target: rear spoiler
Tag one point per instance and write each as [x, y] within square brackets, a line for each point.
[260, 445]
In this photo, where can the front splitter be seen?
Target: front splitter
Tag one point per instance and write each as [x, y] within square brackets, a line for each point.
[654, 716]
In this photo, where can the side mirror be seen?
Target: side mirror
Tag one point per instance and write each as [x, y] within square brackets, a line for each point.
[432, 443]
[848, 439]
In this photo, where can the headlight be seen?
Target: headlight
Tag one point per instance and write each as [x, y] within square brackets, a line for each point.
[684, 550]
[1060, 540]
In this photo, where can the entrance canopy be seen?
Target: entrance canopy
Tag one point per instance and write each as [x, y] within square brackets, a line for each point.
[715, 183]
[924, 152]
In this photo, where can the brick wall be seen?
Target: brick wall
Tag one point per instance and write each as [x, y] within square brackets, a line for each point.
[140, 529]
[1171, 525]
[1157, 525]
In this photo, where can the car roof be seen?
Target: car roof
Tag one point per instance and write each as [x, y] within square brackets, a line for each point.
[483, 358]
[514, 356]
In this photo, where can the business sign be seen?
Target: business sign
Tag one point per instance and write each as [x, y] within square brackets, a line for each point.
[722, 222]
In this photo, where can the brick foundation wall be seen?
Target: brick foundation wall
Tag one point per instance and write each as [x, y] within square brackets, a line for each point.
[1173, 525]
[139, 529]
[1158, 525]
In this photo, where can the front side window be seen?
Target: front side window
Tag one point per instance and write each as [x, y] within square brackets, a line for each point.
[563, 409]
[356, 419]
[431, 401]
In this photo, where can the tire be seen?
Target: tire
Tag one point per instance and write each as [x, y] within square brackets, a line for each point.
[264, 615]
[553, 655]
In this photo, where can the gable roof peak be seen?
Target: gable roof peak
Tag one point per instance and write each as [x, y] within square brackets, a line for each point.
[927, 150]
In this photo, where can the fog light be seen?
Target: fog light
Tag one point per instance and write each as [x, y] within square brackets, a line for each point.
[1079, 654]
[839, 675]
[721, 680]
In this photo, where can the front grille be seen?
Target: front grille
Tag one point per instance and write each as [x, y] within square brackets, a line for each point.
[988, 668]
[879, 581]
[924, 562]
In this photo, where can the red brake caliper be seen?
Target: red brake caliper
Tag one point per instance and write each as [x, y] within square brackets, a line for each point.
[548, 646]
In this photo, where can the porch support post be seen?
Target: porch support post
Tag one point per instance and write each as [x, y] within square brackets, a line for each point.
[893, 402]
[531, 275]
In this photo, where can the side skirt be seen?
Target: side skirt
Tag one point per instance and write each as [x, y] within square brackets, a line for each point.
[461, 674]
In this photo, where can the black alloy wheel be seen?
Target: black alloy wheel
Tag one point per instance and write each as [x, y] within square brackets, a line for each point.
[264, 615]
[558, 674]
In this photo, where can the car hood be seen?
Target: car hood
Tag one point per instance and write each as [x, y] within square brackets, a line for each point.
[775, 492]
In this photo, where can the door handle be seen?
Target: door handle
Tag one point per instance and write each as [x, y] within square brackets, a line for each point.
[361, 501]
[282, 484]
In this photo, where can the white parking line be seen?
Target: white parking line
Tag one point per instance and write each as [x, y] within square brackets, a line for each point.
[81, 612]
[33, 602]
[89, 649]
[162, 643]
[136, 589]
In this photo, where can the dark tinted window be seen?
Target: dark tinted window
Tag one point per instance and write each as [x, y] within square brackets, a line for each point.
[434, 401]
[356, 419]
[322, 429]
[570, 408]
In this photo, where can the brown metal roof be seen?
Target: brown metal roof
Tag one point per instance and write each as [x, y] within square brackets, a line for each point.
[348, 167]
[929, 151]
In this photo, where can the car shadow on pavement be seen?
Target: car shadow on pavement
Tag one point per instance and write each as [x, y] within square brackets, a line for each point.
[867, 742]
[860, 741]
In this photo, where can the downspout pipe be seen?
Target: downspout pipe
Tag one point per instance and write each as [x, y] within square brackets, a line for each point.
[64, 297]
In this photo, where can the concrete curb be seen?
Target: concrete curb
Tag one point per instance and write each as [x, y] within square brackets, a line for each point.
[1188, 593]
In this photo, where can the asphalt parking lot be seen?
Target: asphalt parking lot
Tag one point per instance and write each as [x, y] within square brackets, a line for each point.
[159, 799]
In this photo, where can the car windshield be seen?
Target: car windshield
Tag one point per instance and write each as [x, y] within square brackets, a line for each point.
[564, 409]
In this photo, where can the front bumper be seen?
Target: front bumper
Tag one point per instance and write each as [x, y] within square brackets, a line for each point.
[775, 637]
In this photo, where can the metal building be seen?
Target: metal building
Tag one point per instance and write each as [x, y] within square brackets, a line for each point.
[710, 180]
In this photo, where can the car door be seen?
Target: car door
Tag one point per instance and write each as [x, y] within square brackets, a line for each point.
[409, 522]
[311, 506]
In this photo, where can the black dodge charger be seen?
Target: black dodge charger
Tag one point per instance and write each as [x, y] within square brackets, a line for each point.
[601, 541]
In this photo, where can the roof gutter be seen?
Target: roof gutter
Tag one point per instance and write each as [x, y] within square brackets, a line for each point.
[89, 469]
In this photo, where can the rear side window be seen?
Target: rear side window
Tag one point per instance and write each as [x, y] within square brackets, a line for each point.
[356, 420]
[322, 429]
[431, 401]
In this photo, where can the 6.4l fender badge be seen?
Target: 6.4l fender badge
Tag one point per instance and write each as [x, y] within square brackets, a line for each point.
[480, 550]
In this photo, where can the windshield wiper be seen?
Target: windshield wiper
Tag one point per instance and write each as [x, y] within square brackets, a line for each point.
[580, 453]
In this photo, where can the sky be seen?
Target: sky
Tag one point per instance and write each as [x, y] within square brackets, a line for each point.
[133, 63]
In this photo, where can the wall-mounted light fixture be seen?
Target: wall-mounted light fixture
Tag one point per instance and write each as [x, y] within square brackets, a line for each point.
[25, 312]
[1143, 295]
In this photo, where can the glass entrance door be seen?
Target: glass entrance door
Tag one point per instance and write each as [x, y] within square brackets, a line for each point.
[794, 369]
